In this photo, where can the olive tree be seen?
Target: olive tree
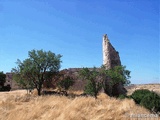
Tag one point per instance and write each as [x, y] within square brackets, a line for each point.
[40, 66]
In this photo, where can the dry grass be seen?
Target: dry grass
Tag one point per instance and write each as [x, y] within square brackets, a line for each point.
[19, 106]
[151, 87]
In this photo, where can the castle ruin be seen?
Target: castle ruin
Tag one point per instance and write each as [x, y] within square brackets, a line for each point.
[110, 55]
[110, 59]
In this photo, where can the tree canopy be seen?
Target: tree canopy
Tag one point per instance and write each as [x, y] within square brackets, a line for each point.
[97, 78]
[39, 67]
[117, 76]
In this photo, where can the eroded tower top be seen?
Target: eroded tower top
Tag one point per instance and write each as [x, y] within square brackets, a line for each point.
[105, 37]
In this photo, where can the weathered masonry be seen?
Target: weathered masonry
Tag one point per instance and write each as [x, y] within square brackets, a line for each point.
[110, 55]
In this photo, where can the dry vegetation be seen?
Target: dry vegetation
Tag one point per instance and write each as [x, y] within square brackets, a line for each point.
[151, 87]
[16, 105]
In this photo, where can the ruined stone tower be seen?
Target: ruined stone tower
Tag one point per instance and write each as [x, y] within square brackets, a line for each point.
[110, 55]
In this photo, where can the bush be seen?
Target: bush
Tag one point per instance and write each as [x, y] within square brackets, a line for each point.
[66, 83]
[122, 96]
[93, 85]
[5, 88]
[151, 101]
[148, 99]
[92, 88]
[138, 95]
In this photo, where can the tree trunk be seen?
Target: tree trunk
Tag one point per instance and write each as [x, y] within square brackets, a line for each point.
[108, 90]
[39, 87]
[39, 92]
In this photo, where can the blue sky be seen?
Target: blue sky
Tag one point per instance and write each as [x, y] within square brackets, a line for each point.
[74, 29]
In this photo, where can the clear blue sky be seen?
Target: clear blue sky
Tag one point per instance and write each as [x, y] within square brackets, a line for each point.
[74, 29]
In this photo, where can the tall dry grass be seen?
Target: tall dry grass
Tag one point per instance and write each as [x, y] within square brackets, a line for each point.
[18, 106]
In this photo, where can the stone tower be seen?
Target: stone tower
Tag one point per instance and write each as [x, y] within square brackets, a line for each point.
[110, 55]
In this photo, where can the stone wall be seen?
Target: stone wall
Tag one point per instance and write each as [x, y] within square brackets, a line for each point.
[11, 82]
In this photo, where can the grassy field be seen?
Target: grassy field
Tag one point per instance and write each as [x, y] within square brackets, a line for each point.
[17, 105]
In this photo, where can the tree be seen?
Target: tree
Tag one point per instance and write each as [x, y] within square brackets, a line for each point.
[114, 76]
[110, 80]
[93, 85]
[119, 74]
[39, 67]
[66, 83]
[2, 79]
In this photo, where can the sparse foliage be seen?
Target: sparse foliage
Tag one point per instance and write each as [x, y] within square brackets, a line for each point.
[93, 85]
[66, 83]
[23, 82]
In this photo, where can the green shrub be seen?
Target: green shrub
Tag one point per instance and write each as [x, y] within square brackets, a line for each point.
[66, 83]
[92, 88]
[93, 85]
[138, 95]
[148, 99]
[121, 96]
[151, 101]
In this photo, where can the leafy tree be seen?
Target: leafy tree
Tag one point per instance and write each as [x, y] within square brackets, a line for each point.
[119, 74]
[2, 79]
[114, 76]
[93, 85]
[39, 67]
